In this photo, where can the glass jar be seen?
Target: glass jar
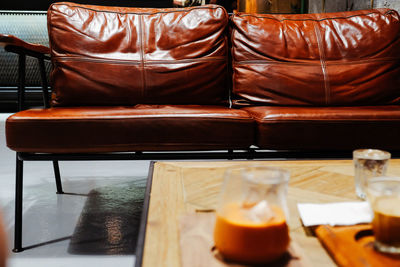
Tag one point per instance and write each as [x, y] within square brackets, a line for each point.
[252, 213]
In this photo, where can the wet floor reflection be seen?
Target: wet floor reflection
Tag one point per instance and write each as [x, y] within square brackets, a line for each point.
[109, 222]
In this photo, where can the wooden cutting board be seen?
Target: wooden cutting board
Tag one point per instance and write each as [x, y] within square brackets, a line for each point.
[196, 245]
[352, 246]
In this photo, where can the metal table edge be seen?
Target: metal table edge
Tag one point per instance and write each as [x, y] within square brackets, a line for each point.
[143, 220]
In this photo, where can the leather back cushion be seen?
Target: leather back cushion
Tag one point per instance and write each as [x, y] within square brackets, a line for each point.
[126, 56]
[331, 59]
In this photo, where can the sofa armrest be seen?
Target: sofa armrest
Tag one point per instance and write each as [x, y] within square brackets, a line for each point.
[16, 45]
[22, 48]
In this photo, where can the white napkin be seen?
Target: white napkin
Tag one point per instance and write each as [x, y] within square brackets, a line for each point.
[339, 213]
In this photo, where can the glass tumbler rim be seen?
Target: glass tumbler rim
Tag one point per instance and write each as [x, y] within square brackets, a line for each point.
[371, 153]
[282, 175]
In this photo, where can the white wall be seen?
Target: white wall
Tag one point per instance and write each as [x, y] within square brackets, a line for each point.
[394, 4]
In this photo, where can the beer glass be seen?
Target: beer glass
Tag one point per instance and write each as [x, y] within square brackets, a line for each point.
[384, 198]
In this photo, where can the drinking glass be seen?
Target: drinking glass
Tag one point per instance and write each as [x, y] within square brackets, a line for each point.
[384, 198]
[368, 163]
[252, 214]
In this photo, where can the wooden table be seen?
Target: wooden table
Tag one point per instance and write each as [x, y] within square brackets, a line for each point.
[179, 188]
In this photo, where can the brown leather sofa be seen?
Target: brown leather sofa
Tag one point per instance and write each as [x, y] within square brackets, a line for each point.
[195, 79]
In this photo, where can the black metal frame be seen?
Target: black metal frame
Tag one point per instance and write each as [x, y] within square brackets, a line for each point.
[187, 155]
[22, 53]
[143, 218]
[19, 198]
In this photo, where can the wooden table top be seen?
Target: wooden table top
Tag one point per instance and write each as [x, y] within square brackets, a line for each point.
[179, 188]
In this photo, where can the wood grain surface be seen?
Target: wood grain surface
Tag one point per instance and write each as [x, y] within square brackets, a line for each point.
[352, 246]
[181, 188]
[197, 245]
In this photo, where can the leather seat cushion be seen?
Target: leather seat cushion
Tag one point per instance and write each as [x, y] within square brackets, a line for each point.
[119, 129]
[327, 128]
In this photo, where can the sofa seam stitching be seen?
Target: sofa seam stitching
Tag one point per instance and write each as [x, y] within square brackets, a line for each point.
[311, 62]
[352, 120]
[233, 62]
[49, 32]
[142, 54]
[61, 120]
[138, 13]
[315, 20]
[323, 63]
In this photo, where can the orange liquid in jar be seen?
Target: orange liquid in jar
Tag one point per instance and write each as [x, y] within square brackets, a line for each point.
[242, 240]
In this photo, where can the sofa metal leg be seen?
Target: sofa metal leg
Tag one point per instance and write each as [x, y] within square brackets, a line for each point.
[57, 175]
[18, 206]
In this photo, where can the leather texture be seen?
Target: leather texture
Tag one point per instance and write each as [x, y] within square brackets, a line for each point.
[139, 128]
[327, 128]
[332, 59]
[313, 82]
[6, 40]
[126, 56]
